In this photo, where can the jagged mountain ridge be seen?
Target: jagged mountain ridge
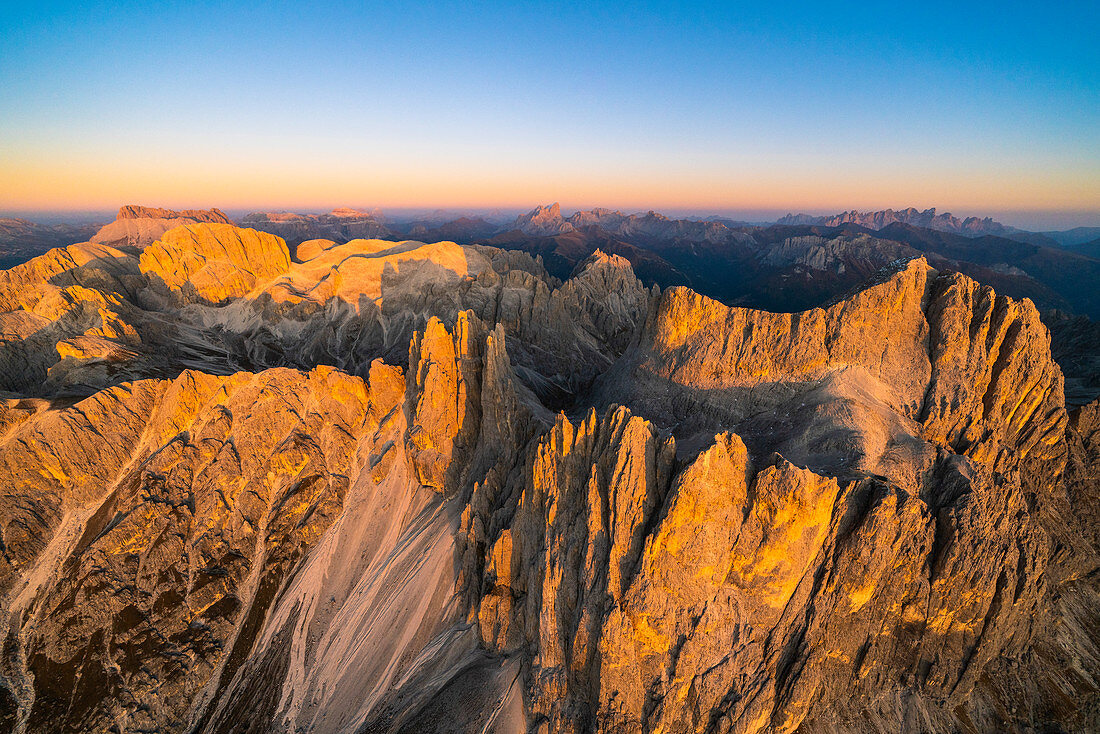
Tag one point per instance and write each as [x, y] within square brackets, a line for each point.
[779, 268]
[544, 221]
[929, 219]
[681, 251]
[747, 265]
[790, 268]
[874, 515]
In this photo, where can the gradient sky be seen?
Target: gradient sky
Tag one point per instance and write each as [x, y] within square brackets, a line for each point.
[977, 108]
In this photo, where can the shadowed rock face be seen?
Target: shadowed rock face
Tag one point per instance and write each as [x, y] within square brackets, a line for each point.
[395, 487]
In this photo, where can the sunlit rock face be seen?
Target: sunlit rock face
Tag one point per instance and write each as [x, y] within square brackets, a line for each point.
[211, 264]
[138, 226]
[64, 310]
[399, 487]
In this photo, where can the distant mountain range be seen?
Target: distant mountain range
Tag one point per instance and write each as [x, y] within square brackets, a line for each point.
[548, 221]
[1076, 237]
[799, 262]
[20, 239]
[973, 226]
[340, 225]
[795, 263]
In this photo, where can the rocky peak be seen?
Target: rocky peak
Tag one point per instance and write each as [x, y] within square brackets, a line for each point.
[138, 226]
[601, 259]
[211, 263]
[543, 221]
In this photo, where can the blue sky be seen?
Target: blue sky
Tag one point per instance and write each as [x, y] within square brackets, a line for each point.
[973, 107]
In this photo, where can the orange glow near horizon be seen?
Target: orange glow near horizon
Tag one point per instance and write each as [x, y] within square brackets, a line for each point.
[87, 185]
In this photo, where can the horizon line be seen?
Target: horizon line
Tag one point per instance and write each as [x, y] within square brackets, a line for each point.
[749, 214]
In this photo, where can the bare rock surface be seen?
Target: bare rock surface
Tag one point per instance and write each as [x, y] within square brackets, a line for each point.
[340, 225]
[399, 487]
[67, 309]
[138, 226]
[544, 220]
[212, 263]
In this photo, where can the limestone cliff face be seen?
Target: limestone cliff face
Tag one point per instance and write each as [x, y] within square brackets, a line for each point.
[212, 263]
[64, 310]
[139, 226]
[701, 343]
[346, 304]
[918, 358]
[766, 598]
[900, 552]
[401, 487]
[994, 387]
[168, 513]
